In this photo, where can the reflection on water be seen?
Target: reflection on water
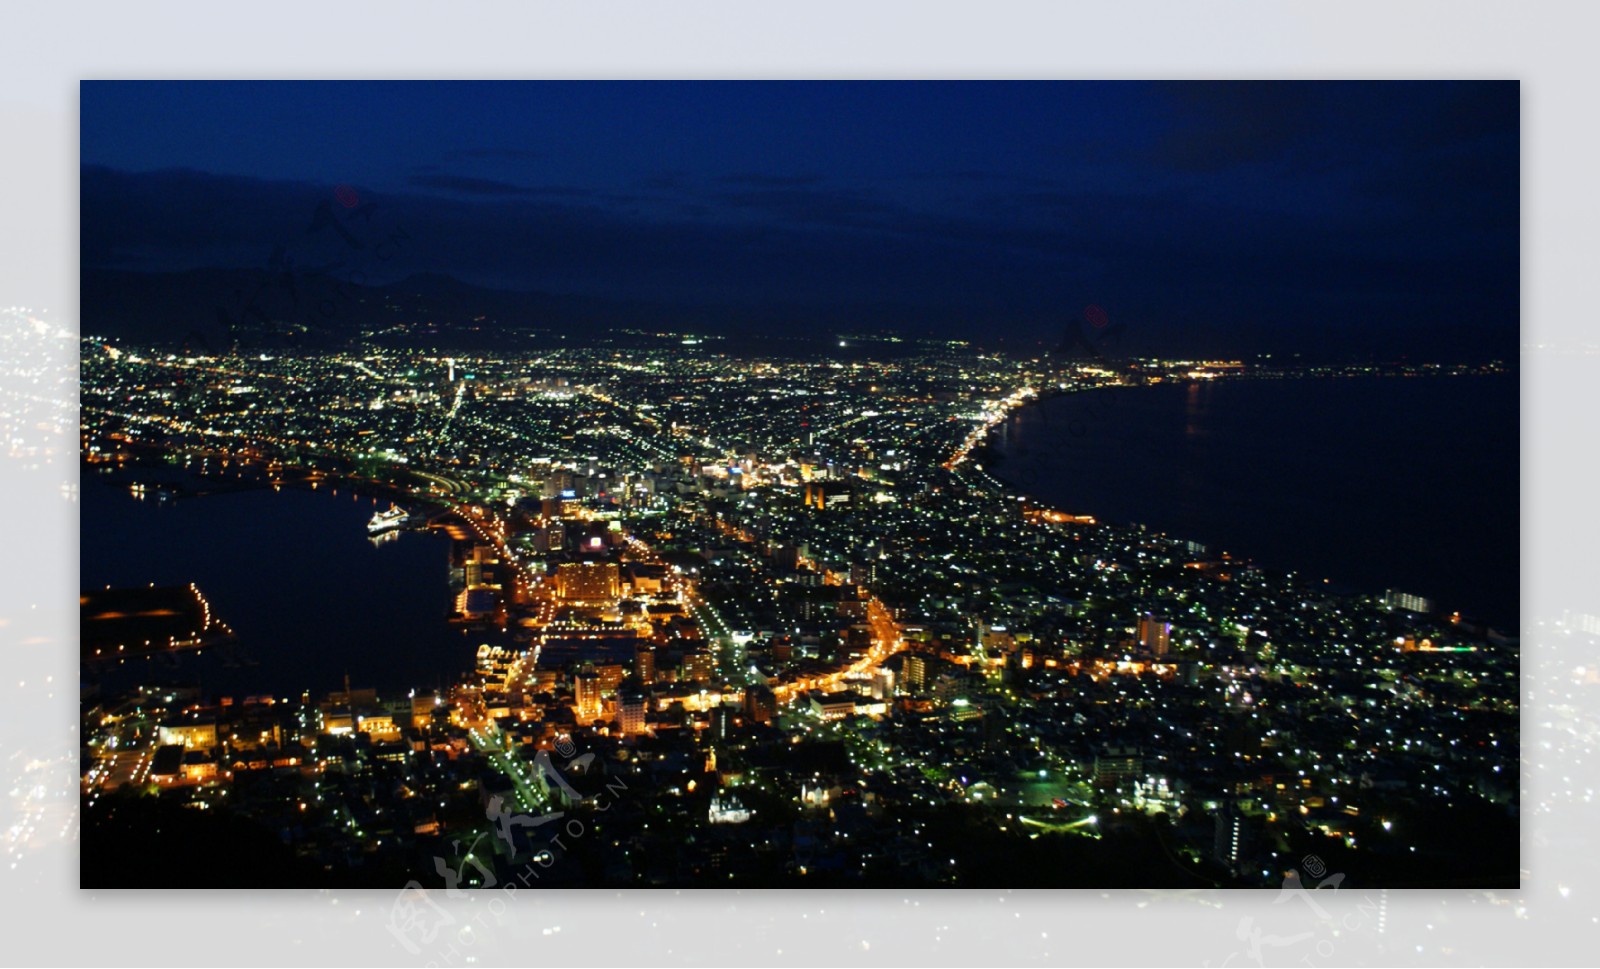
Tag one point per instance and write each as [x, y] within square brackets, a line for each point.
[1191, 409]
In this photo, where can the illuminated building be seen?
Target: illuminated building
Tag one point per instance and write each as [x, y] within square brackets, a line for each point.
[586, 695]
[423, 706]
[699, 666]
[479, 571]
[1235, 838]
[1394, 599]
[820, 494]
[594, 582]
[610, 675]
[189, 734]
[551, 537]
[631, 707]
[1113, 765]
[644, 662]
[727, 809]
[721, 722]
[834, 706]
[559, 485]
[646, 579]
[915, 674]
[198, 767]
[1155, 635]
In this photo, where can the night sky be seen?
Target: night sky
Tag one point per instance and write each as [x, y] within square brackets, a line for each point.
[1374, 218]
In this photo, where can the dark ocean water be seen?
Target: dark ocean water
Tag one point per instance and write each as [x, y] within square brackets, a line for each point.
[309, 596]
[1373, 483]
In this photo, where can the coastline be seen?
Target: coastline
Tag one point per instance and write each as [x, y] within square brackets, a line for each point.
[309, 629]
[1031, 450]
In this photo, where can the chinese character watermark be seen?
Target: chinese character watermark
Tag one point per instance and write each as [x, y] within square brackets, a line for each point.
[420, 924]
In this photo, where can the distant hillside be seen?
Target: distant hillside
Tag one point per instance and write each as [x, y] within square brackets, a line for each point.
[215, 308]
[212, 308]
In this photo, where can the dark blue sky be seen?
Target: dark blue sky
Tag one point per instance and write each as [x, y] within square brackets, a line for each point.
[1232, 217]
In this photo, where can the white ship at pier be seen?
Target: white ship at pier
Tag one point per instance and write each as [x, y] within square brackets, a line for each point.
[385, 521]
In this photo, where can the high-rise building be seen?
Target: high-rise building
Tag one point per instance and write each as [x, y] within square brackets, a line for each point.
[644, 663]
[550, 537]
[1235, 839]
[610, 675]
[632, 704]
[914, 673]
[722, 721]
[1155, 635]
[699, 666]
[586, 694]
[558, 485]
[760, 703]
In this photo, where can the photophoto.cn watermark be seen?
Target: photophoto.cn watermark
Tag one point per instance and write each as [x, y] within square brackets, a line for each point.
[514, 852]
[1285, 939]
[295, 297]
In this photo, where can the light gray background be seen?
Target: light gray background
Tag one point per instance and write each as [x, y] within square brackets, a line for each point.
[1550, 47]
